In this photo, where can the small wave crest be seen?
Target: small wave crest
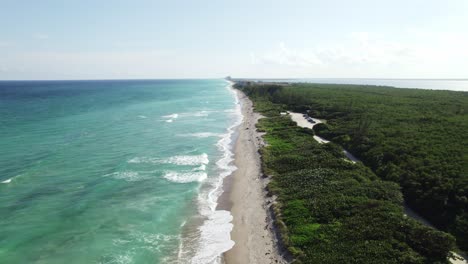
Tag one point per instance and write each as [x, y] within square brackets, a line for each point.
[130, 176]
[171, 116]
[201, 135]
[177, 160]
[120, 259]
[188, 160]
[7, 181]
[154, 242]
[142, 160]
[215, 231]
[185, 177]
[200, 113]
[201, 168]
[203, 113]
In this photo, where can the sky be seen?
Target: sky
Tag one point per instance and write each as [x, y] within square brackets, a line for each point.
[88, 39]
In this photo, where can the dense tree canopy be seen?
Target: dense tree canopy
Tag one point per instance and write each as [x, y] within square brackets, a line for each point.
[334, 211]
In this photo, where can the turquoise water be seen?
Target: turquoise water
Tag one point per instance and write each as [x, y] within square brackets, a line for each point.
[114, 171]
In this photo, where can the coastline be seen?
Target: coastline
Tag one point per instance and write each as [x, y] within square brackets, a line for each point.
[245, 196]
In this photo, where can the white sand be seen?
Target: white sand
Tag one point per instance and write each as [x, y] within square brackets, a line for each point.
[457, 259]
[302, 122]
[253, 227]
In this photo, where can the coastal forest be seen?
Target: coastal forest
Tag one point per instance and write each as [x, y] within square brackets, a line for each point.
[413, 148]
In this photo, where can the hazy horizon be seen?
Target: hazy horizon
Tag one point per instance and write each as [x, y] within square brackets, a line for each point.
[145, 39]
[241, 78]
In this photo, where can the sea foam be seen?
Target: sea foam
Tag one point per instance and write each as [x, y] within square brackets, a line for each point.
[201, 135]
[130, 176]
[172, 116]
[188, 160]
[7, 181]
[201, 113]
[215, 231]
[185, 177]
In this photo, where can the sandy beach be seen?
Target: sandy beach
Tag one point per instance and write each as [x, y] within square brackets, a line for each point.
[255, 240]
[246, 197]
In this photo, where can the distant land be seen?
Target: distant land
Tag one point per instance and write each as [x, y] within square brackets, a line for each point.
[458, 84]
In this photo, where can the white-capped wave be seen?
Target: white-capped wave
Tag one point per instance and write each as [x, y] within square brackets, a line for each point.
[129, 176]
[171, 116]
[185, 177]
[142, 116]
[142, 160]
[121, 259]
[200, 168]
[200, 113]
[225, 146]
[188, 160]
[200, 135]
[7, 181]
[215, 232]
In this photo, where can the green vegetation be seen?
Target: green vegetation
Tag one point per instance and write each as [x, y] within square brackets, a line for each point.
[332, 211]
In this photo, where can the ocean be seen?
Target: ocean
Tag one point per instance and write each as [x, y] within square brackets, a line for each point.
[118, 171]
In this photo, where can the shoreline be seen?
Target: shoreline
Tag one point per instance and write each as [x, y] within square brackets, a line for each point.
[209, 230]
[245, 196]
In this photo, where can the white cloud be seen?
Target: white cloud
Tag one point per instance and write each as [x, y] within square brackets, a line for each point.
[359, 50]
[416, 54]
[367, 55]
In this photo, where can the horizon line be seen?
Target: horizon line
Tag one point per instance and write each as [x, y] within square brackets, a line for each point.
[239, 78]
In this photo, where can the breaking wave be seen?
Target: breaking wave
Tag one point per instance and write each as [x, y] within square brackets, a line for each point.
[177, 160]
[201, 135]
[185, 177]
[130, 176]
[215, 232]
